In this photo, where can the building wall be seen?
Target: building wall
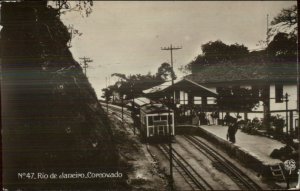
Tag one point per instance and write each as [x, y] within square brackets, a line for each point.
[292, 103]
[291, 89]
[258, 111]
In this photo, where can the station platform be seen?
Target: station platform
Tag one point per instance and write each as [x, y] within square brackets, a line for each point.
[257, 146]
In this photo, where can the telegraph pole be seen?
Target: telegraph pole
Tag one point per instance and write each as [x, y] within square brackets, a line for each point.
[267, 29]
[85, 61]
[133, 105]
[286, 114]
[106, 96]
[171, 48]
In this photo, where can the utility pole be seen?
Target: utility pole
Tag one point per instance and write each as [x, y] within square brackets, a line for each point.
[170, 145]
[85, 61]
[133, 105]
[106, 96]
[122, 100]
[121, 95]
[171, 48]
[286, 113]
[267, 29]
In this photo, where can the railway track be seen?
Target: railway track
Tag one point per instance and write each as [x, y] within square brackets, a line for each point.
[188, 173]
[117, 109]
[118, 113]
[221, 163]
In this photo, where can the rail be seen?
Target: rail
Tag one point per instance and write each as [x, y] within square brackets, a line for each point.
[188, 173]
[239, 177]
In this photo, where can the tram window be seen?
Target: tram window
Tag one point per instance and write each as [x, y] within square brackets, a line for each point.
[160, 130]
[166, 129]
[150, 120]
[156, 118]
[151, 131]
[170, 120]
[163, 118]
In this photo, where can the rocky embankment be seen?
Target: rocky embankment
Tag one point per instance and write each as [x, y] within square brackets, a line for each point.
[51, 118]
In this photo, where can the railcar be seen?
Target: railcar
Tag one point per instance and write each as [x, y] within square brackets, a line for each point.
[156, 122]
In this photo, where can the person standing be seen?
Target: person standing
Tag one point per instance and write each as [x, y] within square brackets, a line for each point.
[226, 118]
[207, 119]
[232, 129]
[202, 118]
[215, 116]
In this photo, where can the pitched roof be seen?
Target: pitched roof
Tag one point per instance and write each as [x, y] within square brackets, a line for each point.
[250, 72]
[160, 87]
[181, 84]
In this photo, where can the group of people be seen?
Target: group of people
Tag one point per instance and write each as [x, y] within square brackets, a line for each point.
[208, 118]
[212, 118]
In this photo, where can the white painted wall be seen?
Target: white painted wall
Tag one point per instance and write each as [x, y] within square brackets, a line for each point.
[292, 92]
[292, 104]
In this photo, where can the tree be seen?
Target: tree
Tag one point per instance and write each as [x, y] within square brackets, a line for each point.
[237, 99]
[165, 72]
[283, 47]
[133, 85]
[84, 7]
[107, 94]
[289, 16]
[218, 52]
[283, 35]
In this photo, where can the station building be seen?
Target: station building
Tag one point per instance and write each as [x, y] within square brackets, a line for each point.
[198, 91]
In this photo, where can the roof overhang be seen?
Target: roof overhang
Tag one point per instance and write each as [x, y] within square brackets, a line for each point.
[185, 85]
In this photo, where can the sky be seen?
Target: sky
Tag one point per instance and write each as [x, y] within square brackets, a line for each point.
[127, 36]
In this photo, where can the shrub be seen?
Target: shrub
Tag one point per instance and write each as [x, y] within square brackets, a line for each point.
[278, 122]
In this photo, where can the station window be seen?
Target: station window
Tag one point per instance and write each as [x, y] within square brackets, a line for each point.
[278, 93]
[197, 100]
[150, 121]
[211, 100]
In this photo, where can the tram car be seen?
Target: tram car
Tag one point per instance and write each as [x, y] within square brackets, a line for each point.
[156, 122]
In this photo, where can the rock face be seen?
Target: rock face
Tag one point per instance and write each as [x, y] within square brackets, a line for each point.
[51, 118]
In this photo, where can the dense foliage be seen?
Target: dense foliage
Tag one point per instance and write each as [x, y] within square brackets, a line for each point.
[288, 15]
[237, 99]
[133, 85]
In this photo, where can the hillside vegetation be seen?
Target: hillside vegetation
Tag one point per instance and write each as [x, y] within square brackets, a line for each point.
[52, 121]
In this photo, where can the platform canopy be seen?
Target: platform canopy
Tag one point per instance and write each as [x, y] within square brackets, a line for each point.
[183, 84]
